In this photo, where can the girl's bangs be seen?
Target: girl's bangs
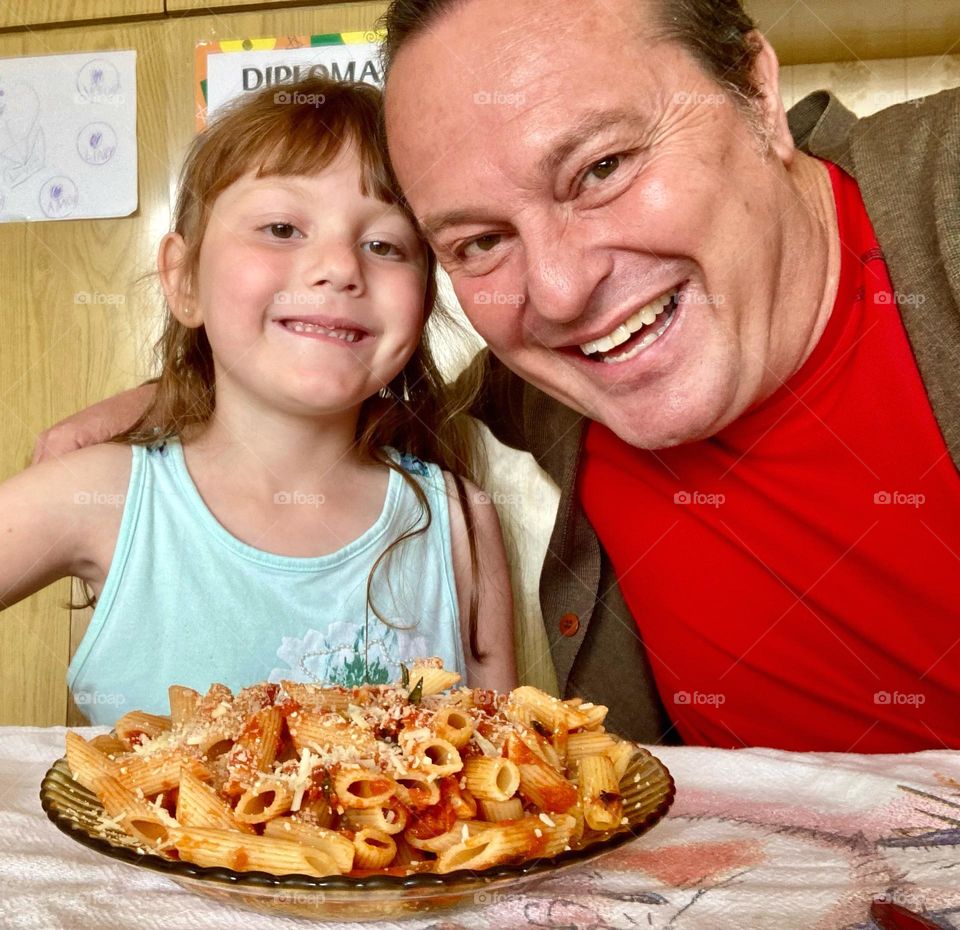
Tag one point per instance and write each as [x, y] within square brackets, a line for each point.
[310, 140]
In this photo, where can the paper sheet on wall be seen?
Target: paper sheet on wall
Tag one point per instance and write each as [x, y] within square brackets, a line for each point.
[230, 68]
[68, 136]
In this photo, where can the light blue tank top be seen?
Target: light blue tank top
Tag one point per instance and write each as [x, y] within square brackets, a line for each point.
[185, 602]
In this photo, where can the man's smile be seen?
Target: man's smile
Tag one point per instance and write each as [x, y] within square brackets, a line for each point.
[638, 331]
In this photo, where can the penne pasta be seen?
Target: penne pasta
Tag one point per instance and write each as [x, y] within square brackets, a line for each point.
[311, 780]
[87, 764]
[148, 823]
[198, 805]
[246, 853]
[374, 849]
[338, 847]
[134, 728]
[491, 779]
[496, 811]
[357, 787]
[452, 725]
[540, 784]
[599, 793]
[268, 798]
[184, 702]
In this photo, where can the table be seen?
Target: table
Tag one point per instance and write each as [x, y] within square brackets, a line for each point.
[757, 839]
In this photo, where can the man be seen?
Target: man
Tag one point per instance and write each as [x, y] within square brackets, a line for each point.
[615, 193]
[694, 330]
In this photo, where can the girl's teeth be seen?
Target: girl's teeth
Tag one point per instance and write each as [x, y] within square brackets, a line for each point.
[347, 335]
[645, 316]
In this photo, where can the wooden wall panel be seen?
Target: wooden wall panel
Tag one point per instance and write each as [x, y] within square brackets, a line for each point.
[57, 355]
[20, 13]
[827, 30]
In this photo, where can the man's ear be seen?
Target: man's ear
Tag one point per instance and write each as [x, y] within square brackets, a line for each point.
[766, 75]
[175, 280]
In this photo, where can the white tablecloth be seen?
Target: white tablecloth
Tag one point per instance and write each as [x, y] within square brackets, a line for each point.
[756, 840]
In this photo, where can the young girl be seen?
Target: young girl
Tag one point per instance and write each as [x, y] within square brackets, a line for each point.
[286, 508]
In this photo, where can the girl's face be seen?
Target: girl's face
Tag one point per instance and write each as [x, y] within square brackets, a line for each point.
[311, 292]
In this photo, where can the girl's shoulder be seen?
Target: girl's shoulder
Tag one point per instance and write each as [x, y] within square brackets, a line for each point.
[104, 467]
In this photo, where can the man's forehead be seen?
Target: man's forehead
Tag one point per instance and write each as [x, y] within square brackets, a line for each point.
[485, 39]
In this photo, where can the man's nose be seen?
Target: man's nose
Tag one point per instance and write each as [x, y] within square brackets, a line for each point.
[337, 266]
[562, 274]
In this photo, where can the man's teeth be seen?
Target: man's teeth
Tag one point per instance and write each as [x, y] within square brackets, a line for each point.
[347, 335]
[645, 316]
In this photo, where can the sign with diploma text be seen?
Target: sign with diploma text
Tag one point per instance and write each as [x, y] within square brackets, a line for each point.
[228, 69]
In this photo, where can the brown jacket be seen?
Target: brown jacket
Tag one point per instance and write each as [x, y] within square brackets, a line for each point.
[906, 162]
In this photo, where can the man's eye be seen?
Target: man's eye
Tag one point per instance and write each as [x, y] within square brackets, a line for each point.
[481, 244]
[383, 249]
[602, 169]
[283, 230]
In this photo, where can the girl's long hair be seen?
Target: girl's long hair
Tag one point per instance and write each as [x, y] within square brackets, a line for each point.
[300, 129]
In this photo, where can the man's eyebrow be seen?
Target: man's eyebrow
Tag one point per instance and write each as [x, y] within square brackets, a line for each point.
[583, 130]
[435, 223]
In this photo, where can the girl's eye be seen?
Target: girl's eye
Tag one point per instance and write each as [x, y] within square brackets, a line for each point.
[481, 244]
[383, 249]
[283, 230]
[601, 170]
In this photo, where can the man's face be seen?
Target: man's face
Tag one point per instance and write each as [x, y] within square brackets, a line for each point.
[608, 217]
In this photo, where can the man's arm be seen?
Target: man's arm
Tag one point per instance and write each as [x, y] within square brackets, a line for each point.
[94, 424]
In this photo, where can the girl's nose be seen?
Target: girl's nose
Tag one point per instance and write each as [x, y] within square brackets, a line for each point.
[336, 266]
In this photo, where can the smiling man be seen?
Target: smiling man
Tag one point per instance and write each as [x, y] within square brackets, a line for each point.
[694, 330]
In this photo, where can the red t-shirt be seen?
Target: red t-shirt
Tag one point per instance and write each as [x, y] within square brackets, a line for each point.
[796, 578]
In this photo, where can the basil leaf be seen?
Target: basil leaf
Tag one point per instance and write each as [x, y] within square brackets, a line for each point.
[416, 695]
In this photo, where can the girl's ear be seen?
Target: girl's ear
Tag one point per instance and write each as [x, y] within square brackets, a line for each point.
[175, 280]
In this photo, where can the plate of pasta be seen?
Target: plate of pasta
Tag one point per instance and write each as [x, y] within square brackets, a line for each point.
[357, 803]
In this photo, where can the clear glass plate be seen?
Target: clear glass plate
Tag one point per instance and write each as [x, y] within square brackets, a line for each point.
[647, 788]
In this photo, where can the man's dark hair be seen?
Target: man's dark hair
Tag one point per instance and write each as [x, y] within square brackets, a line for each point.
[715, 32]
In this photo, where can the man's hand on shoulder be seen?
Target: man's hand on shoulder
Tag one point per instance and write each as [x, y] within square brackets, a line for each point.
[93, 425]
